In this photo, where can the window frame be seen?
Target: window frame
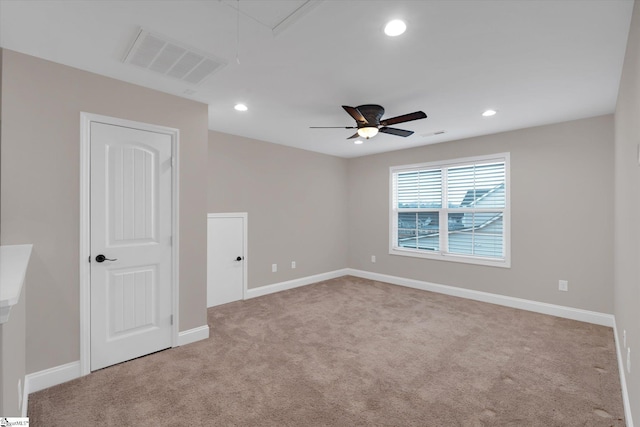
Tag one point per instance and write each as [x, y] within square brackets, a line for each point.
[444, 211]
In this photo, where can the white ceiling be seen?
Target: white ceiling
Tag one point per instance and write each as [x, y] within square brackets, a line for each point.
[535, 61]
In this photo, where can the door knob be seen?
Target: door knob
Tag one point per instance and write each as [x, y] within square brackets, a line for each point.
[102, 258]
[239, 258]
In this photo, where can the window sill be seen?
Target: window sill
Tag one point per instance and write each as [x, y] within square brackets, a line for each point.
[438, 256]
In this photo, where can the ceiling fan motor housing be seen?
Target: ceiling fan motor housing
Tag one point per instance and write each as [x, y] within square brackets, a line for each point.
[372, 113]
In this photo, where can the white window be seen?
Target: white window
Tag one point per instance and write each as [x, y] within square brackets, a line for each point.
[454, 210]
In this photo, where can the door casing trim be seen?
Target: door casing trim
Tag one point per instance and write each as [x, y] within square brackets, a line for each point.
[85, 232]
[245, 245]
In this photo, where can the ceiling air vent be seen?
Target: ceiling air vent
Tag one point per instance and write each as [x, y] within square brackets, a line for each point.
[440, 132]
[170, 58]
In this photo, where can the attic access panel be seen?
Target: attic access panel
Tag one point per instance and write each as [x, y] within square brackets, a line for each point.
[277, 15]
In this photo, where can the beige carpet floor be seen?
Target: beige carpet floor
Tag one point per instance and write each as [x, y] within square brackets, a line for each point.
[353, 352]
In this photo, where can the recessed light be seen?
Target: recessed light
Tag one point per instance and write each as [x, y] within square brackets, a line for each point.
[489, 113]
[395, 28]
[358, 141]
[241, 107]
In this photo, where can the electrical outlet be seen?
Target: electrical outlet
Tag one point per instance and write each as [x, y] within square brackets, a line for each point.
[628, 360]
[373, 258]
[274, 268]
[563, 285]
[293, 264]
[624, 338]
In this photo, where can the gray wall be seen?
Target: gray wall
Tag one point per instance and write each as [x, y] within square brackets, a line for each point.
[561, 210]
[296, 201]
[41, 105]
[324, 212]
[627, 211]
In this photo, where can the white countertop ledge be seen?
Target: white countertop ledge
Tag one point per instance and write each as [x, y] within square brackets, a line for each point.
[14, 260]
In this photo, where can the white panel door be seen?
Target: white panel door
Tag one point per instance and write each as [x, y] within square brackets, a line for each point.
[131, 197]
[225, 259]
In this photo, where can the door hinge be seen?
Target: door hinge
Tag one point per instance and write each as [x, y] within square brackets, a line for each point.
[172, 319]
[89, 258]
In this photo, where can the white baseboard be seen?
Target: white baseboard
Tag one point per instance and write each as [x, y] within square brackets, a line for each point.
[520, 303]
[25, 399]
[193, 335]
[48, 378]
[295, 283]
[623, 378]
[52, 376]
[60, 374]
[523, 304]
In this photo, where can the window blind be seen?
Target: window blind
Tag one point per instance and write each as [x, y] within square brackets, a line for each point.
[455, 208]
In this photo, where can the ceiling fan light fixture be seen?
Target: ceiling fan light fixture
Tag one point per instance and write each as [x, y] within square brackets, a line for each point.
[368, 132]
[395, 28]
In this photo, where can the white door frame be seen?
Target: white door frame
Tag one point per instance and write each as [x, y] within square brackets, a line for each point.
[85, 231]
[245, 246]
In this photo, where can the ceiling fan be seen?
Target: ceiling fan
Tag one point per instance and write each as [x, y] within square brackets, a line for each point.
[368, 120]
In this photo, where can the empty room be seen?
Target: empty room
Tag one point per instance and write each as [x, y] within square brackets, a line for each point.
[320, 212]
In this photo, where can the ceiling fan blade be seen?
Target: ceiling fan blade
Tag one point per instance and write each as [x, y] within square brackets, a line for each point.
[404, 118]
[333, 127]
[355, 135]
[356, 114]
[395, 131]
